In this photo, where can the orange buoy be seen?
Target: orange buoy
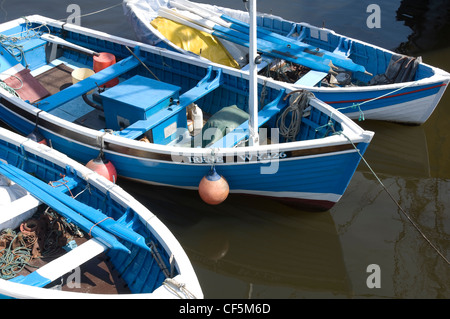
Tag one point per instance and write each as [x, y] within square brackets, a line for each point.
[103, 167]
[37, 136]
[213, 188]
[102, 61]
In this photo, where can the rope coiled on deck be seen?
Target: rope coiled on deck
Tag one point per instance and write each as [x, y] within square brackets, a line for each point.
[294, 112]
[13, 260]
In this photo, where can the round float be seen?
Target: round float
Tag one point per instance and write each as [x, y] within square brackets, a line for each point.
[213, 188]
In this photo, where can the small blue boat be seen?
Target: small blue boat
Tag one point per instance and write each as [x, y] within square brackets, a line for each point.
[363, 82]
[61, 223]
[165, 118]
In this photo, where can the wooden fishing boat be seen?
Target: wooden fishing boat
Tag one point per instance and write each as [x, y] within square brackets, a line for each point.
[291, 147]
[67, 232]
[363, 82]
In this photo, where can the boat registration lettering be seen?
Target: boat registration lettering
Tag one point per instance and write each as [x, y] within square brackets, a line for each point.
[207, 160]
[261, 157]
[241, 158]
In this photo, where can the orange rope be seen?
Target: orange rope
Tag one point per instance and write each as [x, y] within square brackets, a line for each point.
[61, 183]
[99, 223]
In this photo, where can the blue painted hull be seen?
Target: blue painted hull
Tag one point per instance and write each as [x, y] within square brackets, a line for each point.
[311, 181]
[313, 171]
[413, 104]
[409, 102]
[136, 265]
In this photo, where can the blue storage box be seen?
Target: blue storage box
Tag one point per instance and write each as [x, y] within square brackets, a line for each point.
[137, 98]
[33, 48]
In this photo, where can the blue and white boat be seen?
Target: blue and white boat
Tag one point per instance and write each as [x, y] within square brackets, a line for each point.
[367, 82]
[67, 232]
[294, 148]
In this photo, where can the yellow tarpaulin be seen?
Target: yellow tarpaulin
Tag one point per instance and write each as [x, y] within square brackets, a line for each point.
[198, 42]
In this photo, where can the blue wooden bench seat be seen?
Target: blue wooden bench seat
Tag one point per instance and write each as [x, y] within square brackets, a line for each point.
[242, 132]
[62, 265]
[311, 78]
[344, 47]
[88, 84]
[204, 86]
[64, 184]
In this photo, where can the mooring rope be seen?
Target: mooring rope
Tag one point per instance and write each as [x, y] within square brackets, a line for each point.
[395, 201]
[358, 105]
[143, 64]
[98, 11]
[170, 283]
[9, 41]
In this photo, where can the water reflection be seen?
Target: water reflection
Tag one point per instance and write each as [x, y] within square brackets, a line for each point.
[256, 247]
[397, 149]
[437, 126]
[372, 229]
[411, 162]
[429, 21]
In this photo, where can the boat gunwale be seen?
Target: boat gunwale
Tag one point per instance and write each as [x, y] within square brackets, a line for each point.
[118, 194]
[439, 75]
[335, 144]
[350, 129]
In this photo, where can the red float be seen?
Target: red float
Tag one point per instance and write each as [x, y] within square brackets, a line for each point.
[102, 61]
[37, 137]
[103, 167]
[213, 188]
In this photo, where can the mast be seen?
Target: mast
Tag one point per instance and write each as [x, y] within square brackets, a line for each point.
[253, 96]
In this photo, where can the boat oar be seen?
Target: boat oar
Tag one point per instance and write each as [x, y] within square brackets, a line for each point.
[105, 222]
[270, 43]
[309, 61]
[57, 40]
[291, 45]
[283, 51]
[97, 217]
[199, 10]
[107, 239]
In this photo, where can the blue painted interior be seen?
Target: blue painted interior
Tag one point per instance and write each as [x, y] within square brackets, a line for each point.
[131, 268]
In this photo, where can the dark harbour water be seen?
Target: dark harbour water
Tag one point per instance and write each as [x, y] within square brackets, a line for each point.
[258, 248]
